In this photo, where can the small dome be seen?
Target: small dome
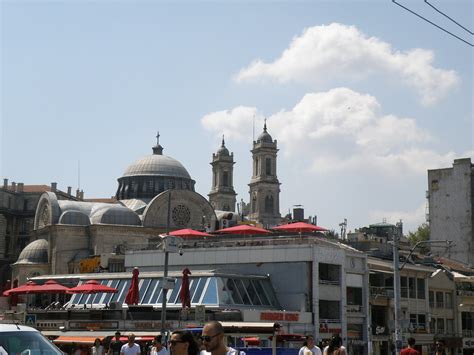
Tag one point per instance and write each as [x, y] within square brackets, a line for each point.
[34, 253]
[223, 150]
[265, 137]
[115, 214]
[157, 165]
[75, 218]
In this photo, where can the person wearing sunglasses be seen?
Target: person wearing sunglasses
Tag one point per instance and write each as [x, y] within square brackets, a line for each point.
[182, 343]
[213, 339]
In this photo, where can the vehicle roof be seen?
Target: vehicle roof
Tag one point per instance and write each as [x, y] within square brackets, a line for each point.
[16, 328]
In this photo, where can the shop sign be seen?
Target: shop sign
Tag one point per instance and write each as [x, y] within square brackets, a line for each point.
[468, 343]
[93, 325]
[324, 328]
[280, 316]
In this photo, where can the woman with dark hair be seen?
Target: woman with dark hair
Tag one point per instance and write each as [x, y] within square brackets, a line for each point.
[97, 348]
[183, 343]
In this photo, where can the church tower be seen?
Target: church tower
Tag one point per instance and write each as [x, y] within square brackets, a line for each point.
[264, 185]
[222, 195]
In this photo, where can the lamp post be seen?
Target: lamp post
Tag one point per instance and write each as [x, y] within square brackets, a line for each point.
[397, 285]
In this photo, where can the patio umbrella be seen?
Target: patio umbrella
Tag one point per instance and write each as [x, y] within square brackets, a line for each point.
[92, 286]
[300, 227]
[184, 294]
[133, 295]
[29, 287]
[244, 229]
[187, 232]
[51, 286]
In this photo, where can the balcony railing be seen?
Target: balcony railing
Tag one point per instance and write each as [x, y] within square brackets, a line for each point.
[329, 282]
[468, 333]
[377, 291]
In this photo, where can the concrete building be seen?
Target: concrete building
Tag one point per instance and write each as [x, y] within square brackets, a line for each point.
[451, 209]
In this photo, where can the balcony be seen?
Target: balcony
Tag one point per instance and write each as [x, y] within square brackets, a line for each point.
[377, 291]
[329, 282]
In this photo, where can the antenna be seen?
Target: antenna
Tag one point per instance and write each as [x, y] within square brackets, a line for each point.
[78, 174]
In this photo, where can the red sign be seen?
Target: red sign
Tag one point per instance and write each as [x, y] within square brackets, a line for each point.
[280, 316]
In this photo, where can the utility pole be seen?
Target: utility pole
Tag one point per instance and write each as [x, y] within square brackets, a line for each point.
[165, 271]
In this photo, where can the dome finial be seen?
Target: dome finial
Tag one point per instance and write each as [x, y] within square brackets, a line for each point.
[223, 142]
[265, 125]
[158, 149]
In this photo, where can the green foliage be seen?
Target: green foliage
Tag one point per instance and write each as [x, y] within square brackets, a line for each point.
[421, 234]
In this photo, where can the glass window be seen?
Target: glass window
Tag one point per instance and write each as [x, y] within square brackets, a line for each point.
[174, 296]
[420, 285]
[440, 325]
[354, 296]
[123, 292]
[200, 287]
[270, 293]
[243, 293]
[192, 287]
[109, 296]
[156, 294]
[404, 287]
[329, 274]
[421, 322]
[143, 287]
[259, 288]
[232, 288]
[251, 292]
[149, 292]
[210, 297]
[433, 325]
[449, 300]
[439, 300]
[268, 166]
[412, 287]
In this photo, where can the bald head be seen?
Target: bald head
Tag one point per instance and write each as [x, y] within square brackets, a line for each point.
[215, 327]
[213, 338]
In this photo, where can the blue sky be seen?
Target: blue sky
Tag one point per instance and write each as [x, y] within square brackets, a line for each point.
[362, 96]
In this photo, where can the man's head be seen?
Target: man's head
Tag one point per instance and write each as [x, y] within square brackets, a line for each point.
[131, 338]
[157, 342]
[213, 336]
[411, 342]
[440, 344]
[309, 341]
[117, 336]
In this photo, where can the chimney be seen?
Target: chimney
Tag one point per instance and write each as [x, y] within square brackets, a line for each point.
[13, 186]
[20, 186]
[82, 195]
[5, 183]
[54, 186]
[78, 194]
[69, 190]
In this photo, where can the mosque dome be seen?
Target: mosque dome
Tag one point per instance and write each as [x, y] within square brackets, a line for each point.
[223, 150]
[265, 137]
[34, 253]
[151, 175]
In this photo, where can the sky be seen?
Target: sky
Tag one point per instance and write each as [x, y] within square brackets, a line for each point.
[362, 96]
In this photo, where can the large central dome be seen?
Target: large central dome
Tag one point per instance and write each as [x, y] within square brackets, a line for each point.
[151, 175]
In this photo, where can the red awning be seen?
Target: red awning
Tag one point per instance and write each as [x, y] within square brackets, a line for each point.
[78, 340]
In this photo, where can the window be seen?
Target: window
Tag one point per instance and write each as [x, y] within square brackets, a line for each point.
[433, 325]
[439, 300]
[329, 310]
[329, 274]
[467, 323]
[404, 287]
[268, 166]
[421, 322]
[434, 185]
[450, 326]
[412, 287]
[232, 288]
[431, 298]
[440, 326]
[199, 289]
[210, 297]
[449, 300]
[269, 204]
[225, 178]
[354, 296]
[420, 288]
[256, 167]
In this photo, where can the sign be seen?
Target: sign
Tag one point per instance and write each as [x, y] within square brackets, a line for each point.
[200, 313]
[30, 320]
[168, 283]
[468, 343]
[280, 316]
[172, 244]
[93, 325]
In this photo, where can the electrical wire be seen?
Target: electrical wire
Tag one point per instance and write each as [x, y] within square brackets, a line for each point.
[434, 24]
[442, 13]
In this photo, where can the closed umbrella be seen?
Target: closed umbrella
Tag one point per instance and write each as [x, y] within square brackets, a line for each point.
[244, 229]
[184, 294]
[133, 294]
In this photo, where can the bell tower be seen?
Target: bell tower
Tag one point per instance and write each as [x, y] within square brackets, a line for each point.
[222, 194]
[264, 185]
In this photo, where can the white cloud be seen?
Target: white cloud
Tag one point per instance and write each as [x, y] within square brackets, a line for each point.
[333, 51]
[340, 131]
[411, 219]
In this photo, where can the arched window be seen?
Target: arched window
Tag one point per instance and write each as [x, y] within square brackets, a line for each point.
[269, 204]
[268, 166]
[225, 179]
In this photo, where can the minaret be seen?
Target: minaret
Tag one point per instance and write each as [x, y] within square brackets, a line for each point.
[222, 195]
[264, 185]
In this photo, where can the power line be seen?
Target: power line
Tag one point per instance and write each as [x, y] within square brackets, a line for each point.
[434, 24]
[442, 13]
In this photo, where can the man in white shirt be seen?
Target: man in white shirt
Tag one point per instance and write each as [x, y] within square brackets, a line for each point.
[130, 348]
[309, 348]
[213, 339]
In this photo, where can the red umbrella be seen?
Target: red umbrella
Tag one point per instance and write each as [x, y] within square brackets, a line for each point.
[133, 294]
[187, 232]
[244, 229]
[92, 286]
[29, 287]
[184, 294]
[51, 286]
[300, 227]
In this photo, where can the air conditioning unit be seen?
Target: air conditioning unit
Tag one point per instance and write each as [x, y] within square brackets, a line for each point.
[115, 305]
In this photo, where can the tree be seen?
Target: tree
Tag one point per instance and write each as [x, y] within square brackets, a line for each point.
[420, 235]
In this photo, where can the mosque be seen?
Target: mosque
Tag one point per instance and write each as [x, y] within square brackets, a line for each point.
[155, 193]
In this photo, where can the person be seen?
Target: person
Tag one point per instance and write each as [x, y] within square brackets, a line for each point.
[309, 347]
[115, 345]
[410, 350]
[183, 343]
[131, 348]
[97, 348]
[157, 347]
[335, 346]
[213, 339]
[440, 346]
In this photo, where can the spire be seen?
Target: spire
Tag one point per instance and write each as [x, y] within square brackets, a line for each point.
[158, 149]
[223, 142]
[265, 125]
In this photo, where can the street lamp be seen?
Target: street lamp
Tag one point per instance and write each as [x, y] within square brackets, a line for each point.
[397, 286]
